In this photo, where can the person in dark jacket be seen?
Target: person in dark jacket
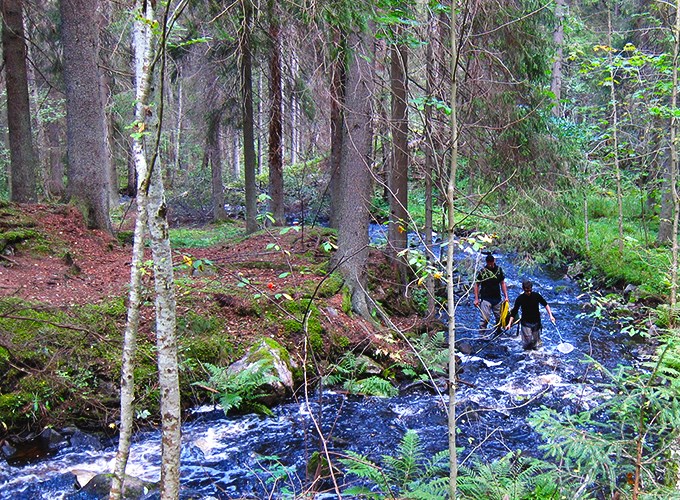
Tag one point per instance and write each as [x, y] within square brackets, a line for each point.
[528, 301]
[489, 282]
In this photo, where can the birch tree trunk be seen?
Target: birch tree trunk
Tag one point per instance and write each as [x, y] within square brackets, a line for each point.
[615, 132]
[153, 210]
[451, 224]
[558, 40]
[673, 174]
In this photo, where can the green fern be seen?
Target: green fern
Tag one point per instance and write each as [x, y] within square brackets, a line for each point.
[432, 353]
[641, 412]
[511, 478]
[371, 386]
[241, 390]
[349, 372]
[408, 474]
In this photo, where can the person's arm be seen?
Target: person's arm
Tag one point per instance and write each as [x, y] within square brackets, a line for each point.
[513, 313]
[476, 289]
[504, 287]
[552, 318]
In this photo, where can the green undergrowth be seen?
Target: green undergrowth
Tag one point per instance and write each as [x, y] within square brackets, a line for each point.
[62, 367]
[17, 230]
[218, 234]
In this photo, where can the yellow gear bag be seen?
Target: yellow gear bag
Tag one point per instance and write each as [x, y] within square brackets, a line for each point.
[505, 314]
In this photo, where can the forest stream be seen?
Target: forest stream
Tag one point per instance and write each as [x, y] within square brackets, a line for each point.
[227, 457]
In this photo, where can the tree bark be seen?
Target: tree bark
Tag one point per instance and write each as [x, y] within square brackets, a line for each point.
[247, 109]
[215, 160]
[23, 158]
[673, 174]
[451, 225]
[558, 41]
[338, 75]
[88, 176]
[615, 134]
[398, 175]
[355, 178]
[152, 209]
[276, 194]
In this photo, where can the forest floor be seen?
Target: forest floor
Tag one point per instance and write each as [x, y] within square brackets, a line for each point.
[242, 290]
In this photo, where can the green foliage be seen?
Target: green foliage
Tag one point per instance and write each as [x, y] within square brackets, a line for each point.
[407, 474]
[512, 477]
[331, 285]
[351, 372]
[241, 390]
[629, 434]
[433, 353]
[202, 238]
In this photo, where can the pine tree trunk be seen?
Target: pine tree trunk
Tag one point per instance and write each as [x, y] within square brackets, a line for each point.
[276, 199]
[88, 179]
[23, 158]
[355, 179]
[247, 107]
[337, 87]
[398, 174]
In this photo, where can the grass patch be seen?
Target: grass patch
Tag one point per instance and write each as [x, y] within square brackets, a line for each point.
[219, 234]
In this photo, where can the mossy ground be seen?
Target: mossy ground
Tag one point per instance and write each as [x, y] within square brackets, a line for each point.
[61, 335]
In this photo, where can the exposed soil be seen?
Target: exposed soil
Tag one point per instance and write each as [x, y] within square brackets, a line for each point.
[76, 266]
[91, 266]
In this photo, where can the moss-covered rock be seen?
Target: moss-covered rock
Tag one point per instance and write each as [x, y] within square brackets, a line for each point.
[278, 357]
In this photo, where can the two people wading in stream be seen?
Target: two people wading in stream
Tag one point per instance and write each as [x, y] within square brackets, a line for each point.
[489, 283]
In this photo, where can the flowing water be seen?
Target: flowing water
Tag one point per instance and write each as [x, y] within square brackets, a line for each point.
[244, 456]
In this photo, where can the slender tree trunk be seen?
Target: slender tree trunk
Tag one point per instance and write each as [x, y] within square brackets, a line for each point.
[141, 47]
[215, 158]
[451, 298]
[23, 158]
[88, 157]
[276, 199]
[558, 41]
[665, 234]
[673, 177]
[295, 115]
[429, 160]
[260, 132]
[615, 134]
[152, 200]
[338, 66]
[236, 156]
[398, 174]
[178, 131]
[55, 177]
[247, 105]
[355, 173]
